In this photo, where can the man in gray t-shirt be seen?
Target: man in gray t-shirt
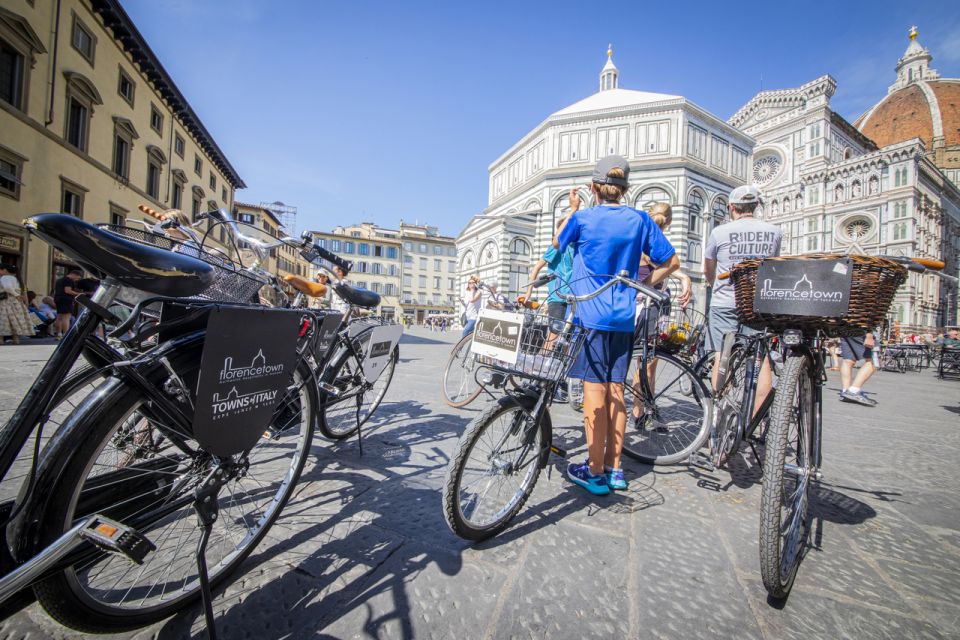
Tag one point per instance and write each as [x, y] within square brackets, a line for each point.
[743, 238]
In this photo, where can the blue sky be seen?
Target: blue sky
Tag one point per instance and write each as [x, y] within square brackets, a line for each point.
[379, 111]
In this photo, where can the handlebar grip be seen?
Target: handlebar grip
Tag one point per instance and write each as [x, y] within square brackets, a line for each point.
[929, 263]
[333, 258]
[153, 213]
[723, 276]
[542, 280]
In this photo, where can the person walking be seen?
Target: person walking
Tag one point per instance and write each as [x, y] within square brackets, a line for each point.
[14, 317]
[852, 350]
[65, 289]
[471, 306]
[744, 238]
[608, 239]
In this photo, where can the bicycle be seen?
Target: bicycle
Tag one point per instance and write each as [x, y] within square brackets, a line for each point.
[850, 302]
[463, 379]
[498, 459]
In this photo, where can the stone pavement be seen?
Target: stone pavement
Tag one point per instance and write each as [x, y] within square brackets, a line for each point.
[363, 551]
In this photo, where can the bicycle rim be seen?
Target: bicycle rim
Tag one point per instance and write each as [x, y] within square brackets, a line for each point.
[676, 424]
[135, 468]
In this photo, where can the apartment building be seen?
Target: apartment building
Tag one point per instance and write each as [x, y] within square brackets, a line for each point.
[92, 125]
[429, 272]
[375, 253]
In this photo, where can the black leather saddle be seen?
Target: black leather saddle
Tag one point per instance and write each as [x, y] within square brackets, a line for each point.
[356, 296]
[108, 255]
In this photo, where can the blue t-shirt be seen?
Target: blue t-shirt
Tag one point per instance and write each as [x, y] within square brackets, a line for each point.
[606, 241]
[560, 263]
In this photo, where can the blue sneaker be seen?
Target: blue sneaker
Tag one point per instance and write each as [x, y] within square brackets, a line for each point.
[580, 474]
[615, 479]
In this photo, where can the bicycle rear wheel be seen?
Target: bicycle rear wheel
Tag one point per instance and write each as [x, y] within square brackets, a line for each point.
[119, 460]
[494, 468]
[338, 414]
[460, 386]
[677, 424]
[788, 470]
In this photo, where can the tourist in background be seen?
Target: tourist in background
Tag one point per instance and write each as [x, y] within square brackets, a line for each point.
[852, 350]
[471, 305]
[64, 291]
[14, 318]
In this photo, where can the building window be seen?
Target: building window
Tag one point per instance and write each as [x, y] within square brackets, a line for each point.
[83, 40]
[521, 247]
[451, 266]
[81, 97]
[575, 146]
[118, 216]
[334, 245]
[177, 194]
[155, 160]
[223, 194]
[421, 297]
[71, 198]
[695, 209]
[178, 144]
[389, 289]
[900, 231]
[450, 284]
[900, 209]
[408, 246]
[436, 282]
[392, 253]
[717, 216]
[348, 247]
[813, 195]
[11, 76]
[437, 265]
[812, 224]
[377, 269]
[407, 259]
[392, 270]
[813, 243]
[126, 87]
[422, 248]
[121, 156]
[650, 197]
[423, 263]
[407, 280]
[362, 267]
[364, 249]
[11, 168]
[437, 250]
[197, 165]
[452, 252]
[719, 153]
[422, 281]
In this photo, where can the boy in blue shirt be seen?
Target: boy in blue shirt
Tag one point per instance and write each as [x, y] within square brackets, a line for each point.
[607, 239]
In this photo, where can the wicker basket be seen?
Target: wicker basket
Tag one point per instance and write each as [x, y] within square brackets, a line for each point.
[230, 282]
[875, 281]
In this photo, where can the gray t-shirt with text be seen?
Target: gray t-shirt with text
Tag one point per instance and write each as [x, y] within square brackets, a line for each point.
[735, 242]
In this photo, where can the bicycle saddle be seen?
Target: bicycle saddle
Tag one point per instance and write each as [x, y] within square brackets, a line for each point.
[357, 296]
[306, 287]
[108, 255]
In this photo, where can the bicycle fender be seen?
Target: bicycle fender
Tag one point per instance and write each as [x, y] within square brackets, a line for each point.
[546, 423]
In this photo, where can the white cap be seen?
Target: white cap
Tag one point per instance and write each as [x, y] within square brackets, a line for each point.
[745, 195]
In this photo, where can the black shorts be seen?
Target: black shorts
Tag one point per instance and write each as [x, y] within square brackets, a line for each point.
[64, 305]
[557, 310]
[854, 349]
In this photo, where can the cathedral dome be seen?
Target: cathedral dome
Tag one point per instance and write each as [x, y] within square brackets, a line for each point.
[918, 105]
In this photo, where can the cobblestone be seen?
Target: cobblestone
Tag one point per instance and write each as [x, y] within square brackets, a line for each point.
[362, 551]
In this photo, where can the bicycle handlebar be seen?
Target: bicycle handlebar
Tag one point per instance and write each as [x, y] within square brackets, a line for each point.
[917, 265]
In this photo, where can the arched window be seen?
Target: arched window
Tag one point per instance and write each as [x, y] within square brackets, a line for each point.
[649, 197]
[717, 215]
[468, 262]
[488, 254]
[82, 96]
[695, 209]
[520, 246]
[693, 251]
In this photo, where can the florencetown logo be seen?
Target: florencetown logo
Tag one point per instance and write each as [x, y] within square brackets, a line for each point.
[235, 403]
[495, 336]
[258, 369]
[802, 291]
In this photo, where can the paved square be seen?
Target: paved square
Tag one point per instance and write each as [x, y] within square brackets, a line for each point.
[362, 549]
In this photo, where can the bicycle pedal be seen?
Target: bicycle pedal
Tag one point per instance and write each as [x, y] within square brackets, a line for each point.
[558, 451]
[116, 537]
[329, 388]
[700, 460]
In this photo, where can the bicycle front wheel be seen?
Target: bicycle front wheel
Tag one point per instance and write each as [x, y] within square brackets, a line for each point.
[788, 470]
[675, 422]
[460, 386]
[339, 414]
[127, 466]
[494, 468]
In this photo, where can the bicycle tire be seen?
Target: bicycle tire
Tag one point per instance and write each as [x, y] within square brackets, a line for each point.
[727, 407]
[453, 496]
[682, 422]
[459, 374]
[791, 426]
[70, 597]
[338, 415]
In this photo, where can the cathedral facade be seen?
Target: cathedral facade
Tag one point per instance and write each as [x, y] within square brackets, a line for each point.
[884, 186]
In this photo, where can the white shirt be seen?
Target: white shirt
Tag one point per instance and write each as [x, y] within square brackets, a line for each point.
[472, 309]
[10, 285]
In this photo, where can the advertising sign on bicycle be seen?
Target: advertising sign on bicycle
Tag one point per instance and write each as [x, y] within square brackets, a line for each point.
[327, 333]
[819, 288]
[248, 359]
[497, 335]
[379, 346]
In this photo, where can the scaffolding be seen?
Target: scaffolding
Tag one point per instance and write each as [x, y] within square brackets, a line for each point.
[285, 213]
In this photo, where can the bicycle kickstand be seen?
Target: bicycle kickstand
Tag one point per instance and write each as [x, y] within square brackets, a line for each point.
[359, 439]
[206, 515]
[756, 456]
